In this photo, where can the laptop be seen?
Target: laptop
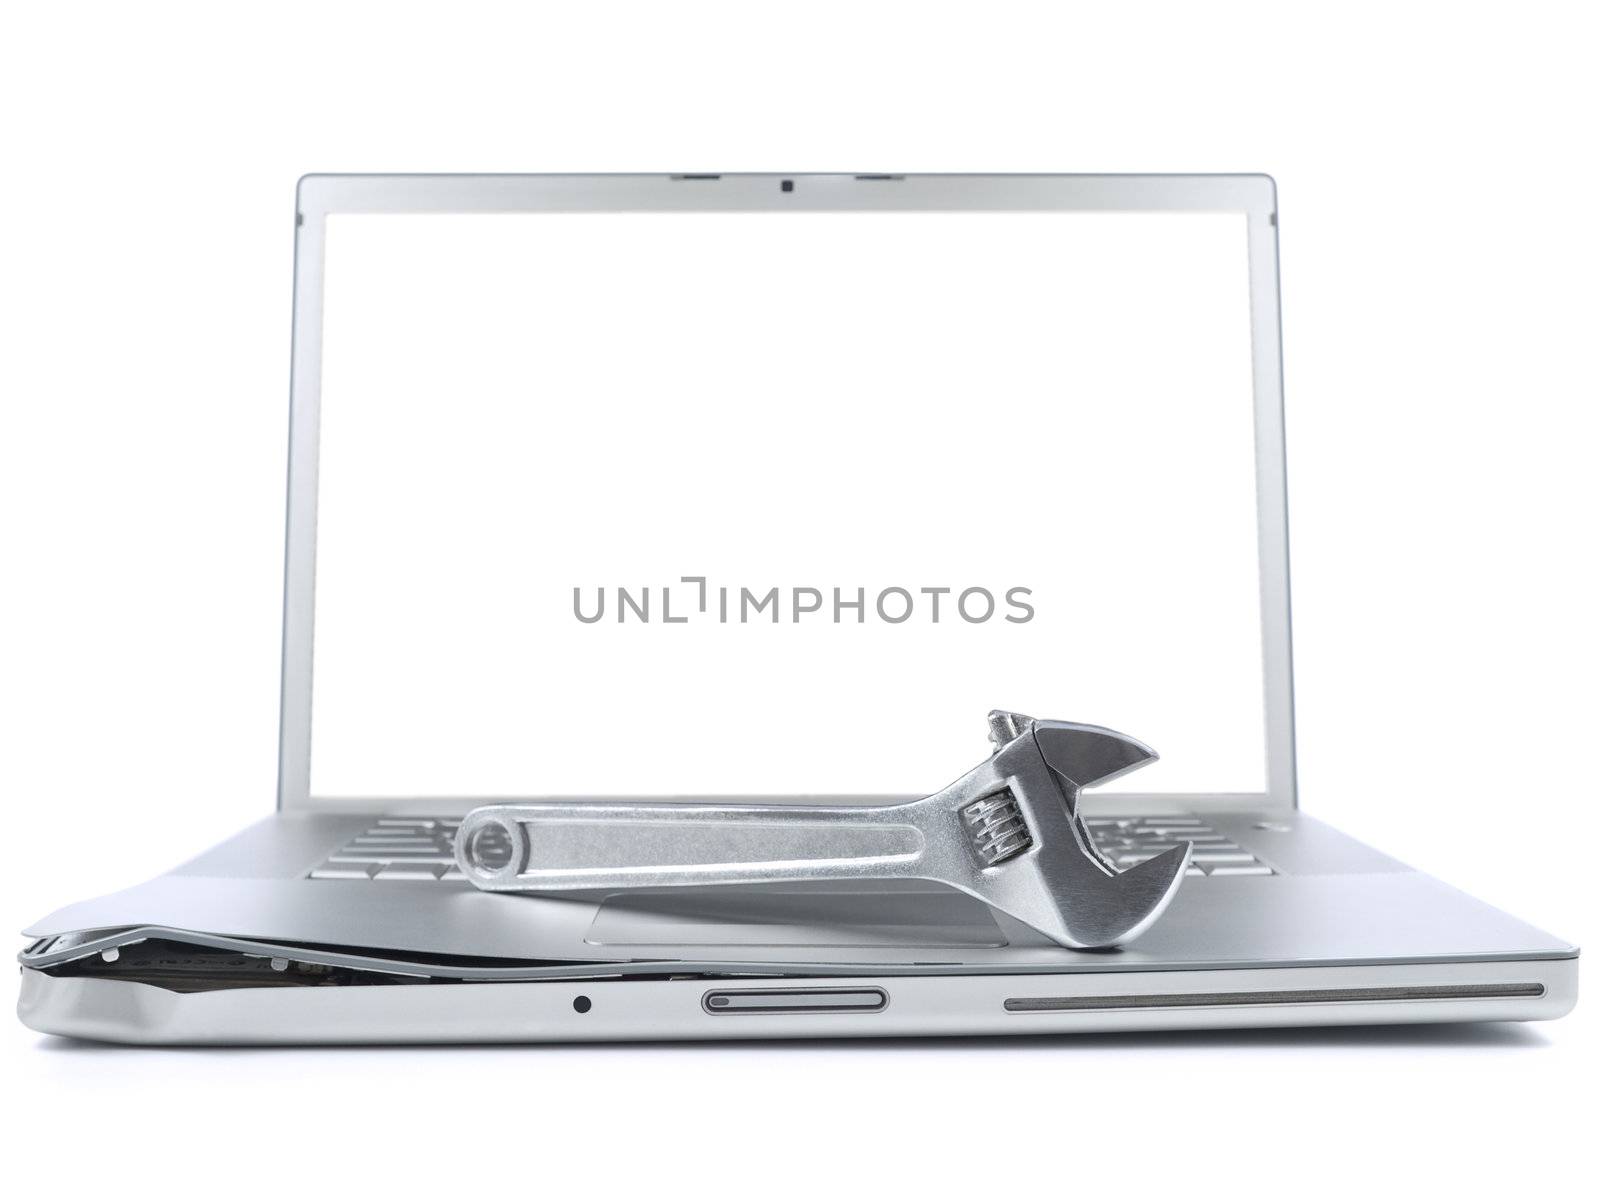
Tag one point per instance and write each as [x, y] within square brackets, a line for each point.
[770, 487]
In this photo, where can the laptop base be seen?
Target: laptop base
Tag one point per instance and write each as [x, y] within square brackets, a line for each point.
[845, 1007]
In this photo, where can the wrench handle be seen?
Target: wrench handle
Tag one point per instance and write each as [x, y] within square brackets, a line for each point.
[555, 846]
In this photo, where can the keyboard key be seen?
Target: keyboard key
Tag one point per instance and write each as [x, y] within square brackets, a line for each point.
[397, 847]
[394, 848]
[407, 871]
[417, 822]
[340, 871]
[1222, 856]
[393, 844]
[1192, 871]
[1257, 869]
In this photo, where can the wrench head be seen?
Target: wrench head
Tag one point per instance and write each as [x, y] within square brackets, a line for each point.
[1038, 860]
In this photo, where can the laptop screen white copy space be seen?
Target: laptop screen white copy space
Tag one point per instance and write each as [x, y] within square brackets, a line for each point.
[780, 503]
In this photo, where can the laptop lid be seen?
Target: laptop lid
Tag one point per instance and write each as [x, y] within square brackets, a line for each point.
[772, 485]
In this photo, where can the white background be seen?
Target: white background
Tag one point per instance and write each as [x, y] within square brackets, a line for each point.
[517, 406]
[1437, 179]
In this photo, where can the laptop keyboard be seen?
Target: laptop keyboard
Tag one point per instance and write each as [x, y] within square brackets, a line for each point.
[1129, 841]
[413, 849]
[405, 849]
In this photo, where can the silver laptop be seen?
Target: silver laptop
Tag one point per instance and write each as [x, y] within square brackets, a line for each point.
[770, 487]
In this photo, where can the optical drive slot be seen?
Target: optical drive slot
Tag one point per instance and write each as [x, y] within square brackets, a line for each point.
[1354, 995]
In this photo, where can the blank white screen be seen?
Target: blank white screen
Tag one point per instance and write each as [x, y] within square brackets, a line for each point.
[515, 406]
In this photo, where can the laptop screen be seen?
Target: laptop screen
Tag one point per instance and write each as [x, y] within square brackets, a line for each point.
[649, 503]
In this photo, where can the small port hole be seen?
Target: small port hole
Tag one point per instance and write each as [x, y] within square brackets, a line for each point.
[787, 185]
[582, 1004]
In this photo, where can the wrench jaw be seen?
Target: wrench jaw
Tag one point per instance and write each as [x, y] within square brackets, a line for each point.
[1100, 912]
[1086, 755]
[1060, 885]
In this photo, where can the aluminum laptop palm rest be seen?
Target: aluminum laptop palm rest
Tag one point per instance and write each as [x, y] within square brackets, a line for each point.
[1007, 832]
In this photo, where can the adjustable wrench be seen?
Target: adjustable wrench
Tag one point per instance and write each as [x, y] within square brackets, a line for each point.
[1007, 832]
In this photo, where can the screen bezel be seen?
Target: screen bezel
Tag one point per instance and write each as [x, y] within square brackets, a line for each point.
[319, 196]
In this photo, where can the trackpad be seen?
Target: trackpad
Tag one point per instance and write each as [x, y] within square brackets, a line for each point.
[794, 916]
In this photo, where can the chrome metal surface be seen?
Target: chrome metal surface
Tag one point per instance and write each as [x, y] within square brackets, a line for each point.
[1007, 832]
